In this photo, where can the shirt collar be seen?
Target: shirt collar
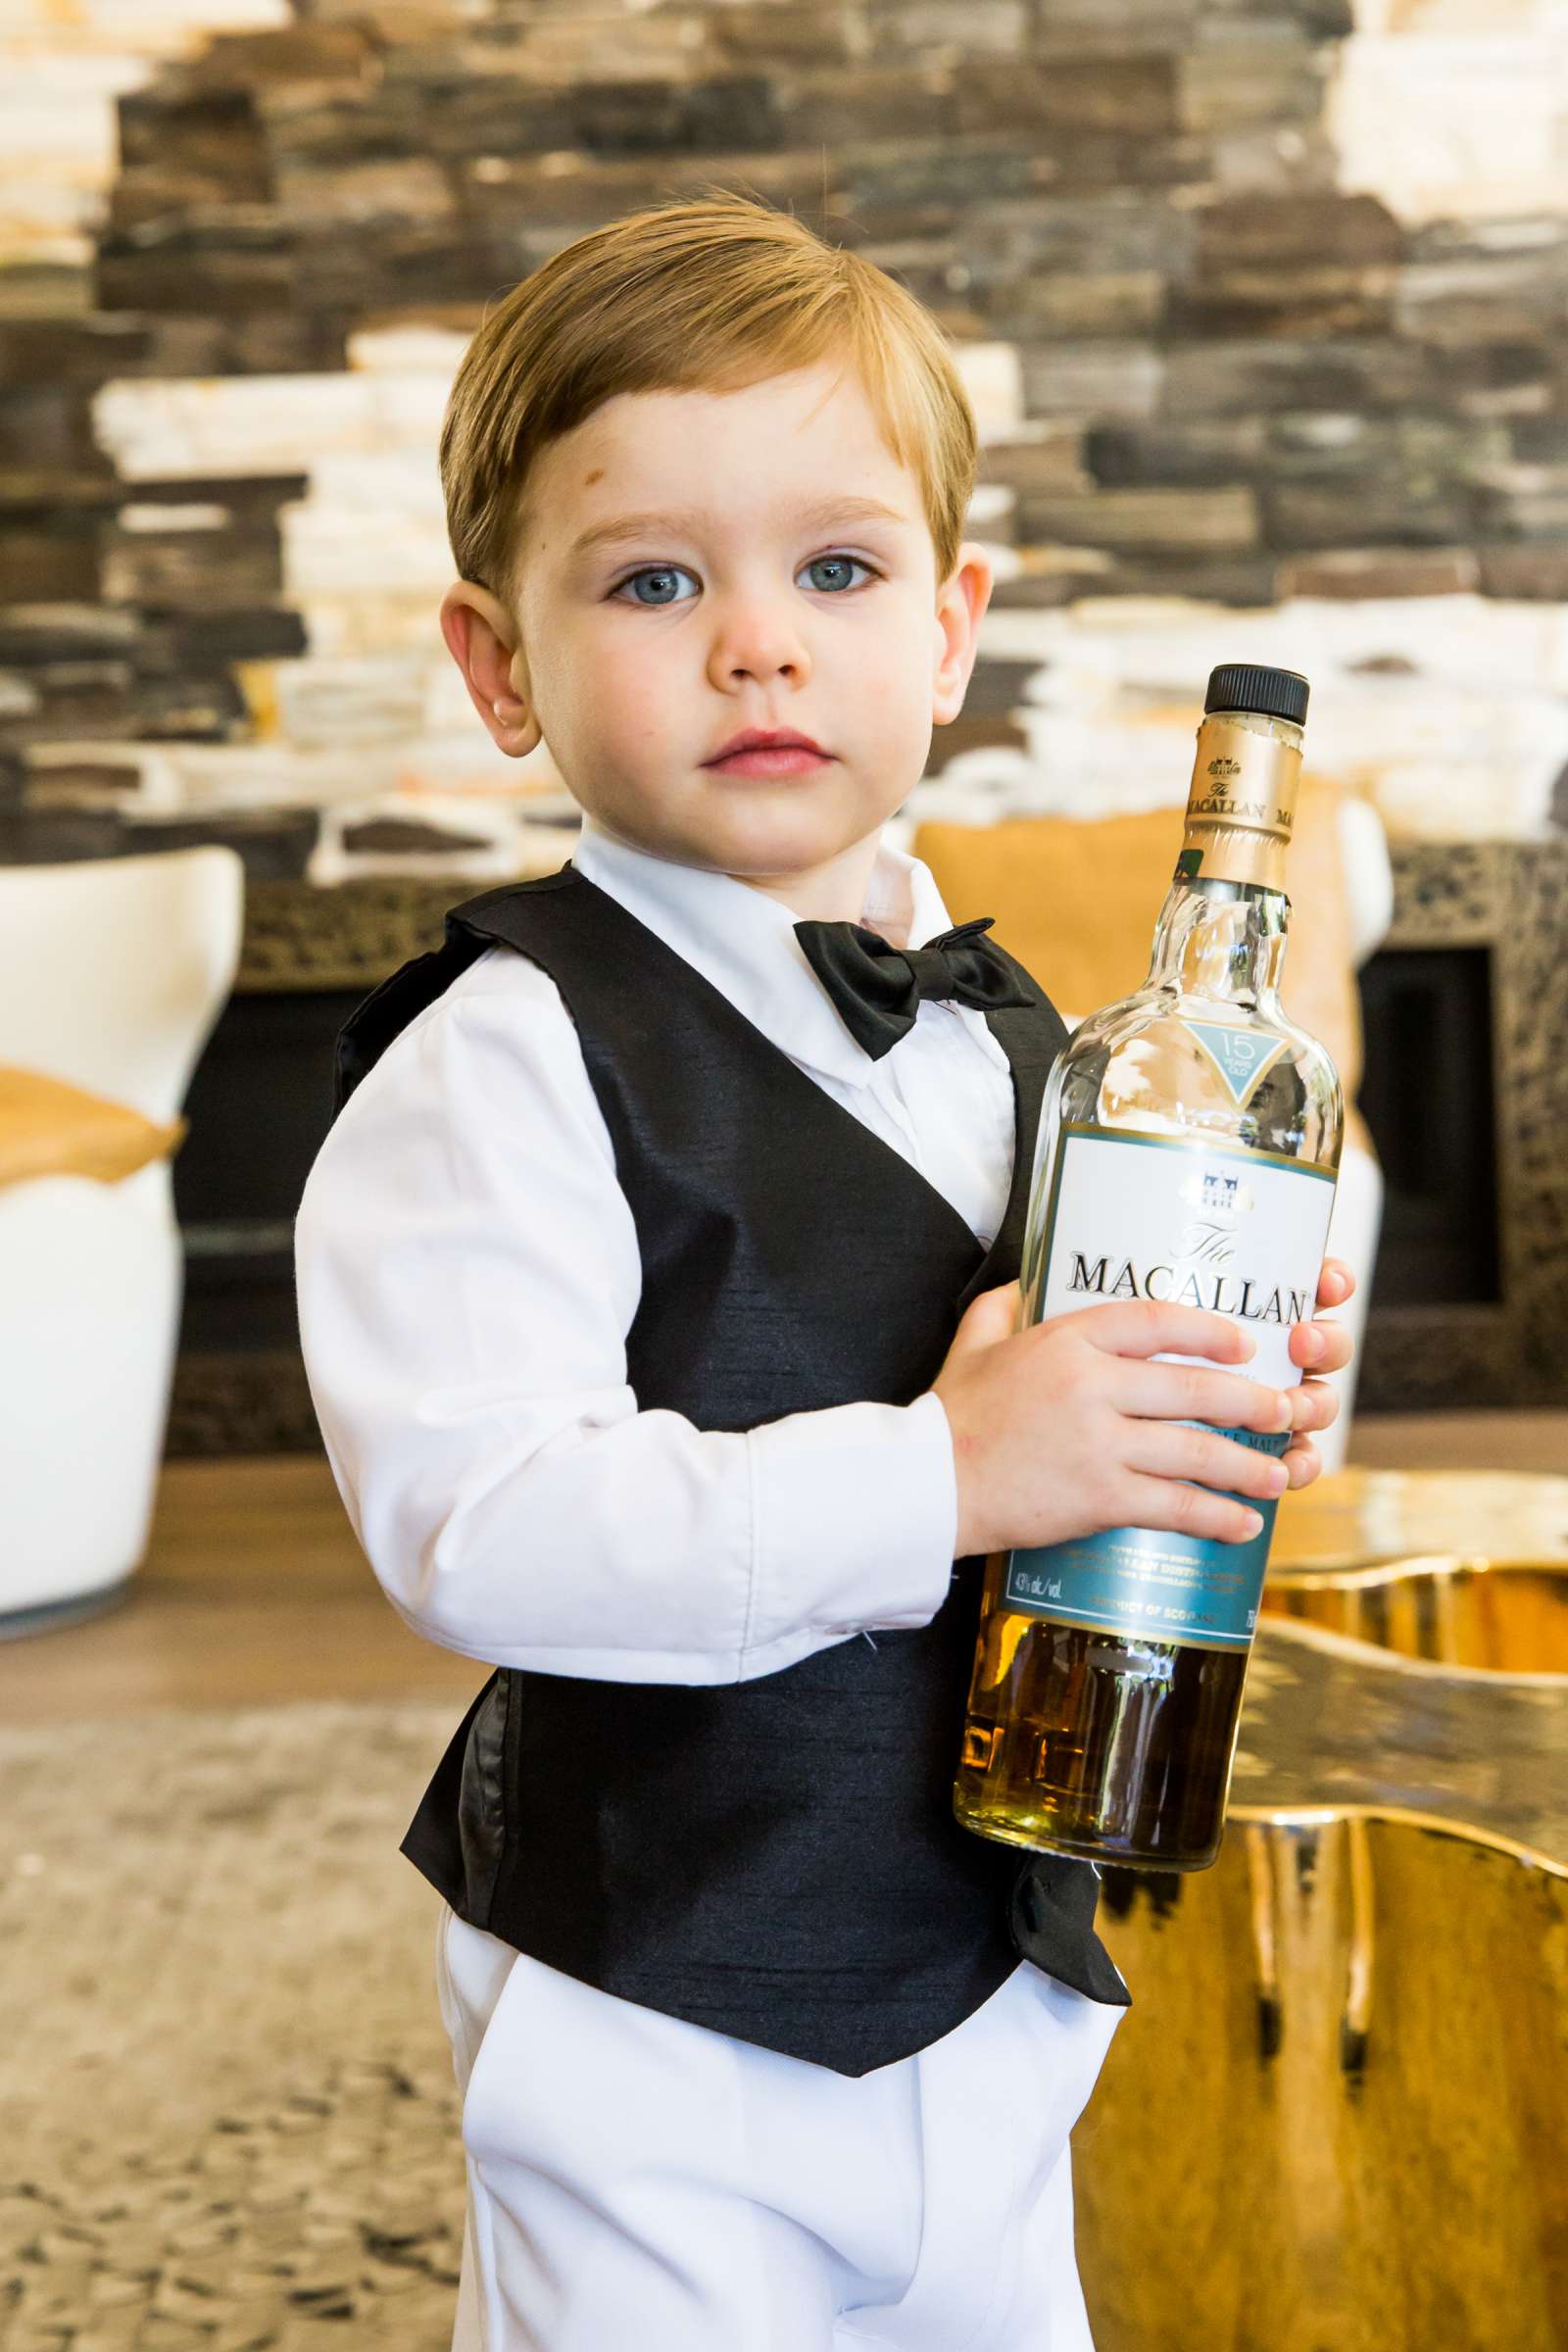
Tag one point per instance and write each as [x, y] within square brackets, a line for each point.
[743, 941]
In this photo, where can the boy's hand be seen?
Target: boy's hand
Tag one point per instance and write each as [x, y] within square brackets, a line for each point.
[1318, 1347]
[1068, 1428]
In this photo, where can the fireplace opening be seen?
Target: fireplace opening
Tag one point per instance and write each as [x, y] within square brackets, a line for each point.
[1428, 1095]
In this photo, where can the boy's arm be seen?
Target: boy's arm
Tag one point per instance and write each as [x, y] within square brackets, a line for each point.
[467, 1270]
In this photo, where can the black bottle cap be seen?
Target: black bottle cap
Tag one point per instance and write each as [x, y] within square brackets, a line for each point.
[1271, 693]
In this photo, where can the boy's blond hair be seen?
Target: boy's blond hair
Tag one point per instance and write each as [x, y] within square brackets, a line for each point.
[710, 293]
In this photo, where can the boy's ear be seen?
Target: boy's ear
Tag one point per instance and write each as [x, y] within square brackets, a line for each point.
[482, 639]
[960, 600]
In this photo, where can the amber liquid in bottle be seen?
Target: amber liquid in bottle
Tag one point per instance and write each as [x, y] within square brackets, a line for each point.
[1188, 1147]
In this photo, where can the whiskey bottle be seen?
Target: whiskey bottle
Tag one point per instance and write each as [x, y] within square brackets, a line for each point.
[1188, 1150]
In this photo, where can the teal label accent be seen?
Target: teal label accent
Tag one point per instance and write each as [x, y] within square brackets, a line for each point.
[1189, 864]
[1240, 1055]
[1152, 1584]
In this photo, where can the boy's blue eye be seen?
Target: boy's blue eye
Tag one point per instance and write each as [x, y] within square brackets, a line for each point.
[662, 578]
[841, 564]
[661, 575]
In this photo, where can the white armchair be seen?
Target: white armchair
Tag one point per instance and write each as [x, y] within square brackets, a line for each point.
[113, 973]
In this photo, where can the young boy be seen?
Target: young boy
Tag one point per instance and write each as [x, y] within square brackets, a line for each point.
[657, 1285]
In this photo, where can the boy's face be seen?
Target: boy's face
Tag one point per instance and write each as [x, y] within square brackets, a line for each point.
[734, 579]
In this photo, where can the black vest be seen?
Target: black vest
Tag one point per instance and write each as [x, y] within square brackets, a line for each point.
[777, 1858]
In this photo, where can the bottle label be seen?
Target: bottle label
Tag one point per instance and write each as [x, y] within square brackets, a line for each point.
[1240, 810]
[1242, 1056]
[1239, 1233]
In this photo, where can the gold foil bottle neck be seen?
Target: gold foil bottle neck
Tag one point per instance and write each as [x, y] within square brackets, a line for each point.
[1240, 810]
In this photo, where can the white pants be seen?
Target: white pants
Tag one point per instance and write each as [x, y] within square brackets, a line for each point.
[641, 2184]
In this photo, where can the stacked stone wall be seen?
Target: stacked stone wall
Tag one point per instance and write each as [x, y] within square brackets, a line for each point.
[1262, 304]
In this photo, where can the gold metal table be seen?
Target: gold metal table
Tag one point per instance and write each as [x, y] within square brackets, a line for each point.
[1336, 2117]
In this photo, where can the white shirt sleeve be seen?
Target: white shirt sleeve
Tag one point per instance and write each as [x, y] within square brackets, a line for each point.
[467, 1271]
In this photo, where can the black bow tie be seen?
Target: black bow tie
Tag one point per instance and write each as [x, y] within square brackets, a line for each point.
[878, 988]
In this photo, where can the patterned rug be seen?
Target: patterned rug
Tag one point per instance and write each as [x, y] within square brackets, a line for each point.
[227, 2116]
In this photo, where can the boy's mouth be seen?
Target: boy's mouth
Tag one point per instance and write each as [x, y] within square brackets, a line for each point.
[768, 752]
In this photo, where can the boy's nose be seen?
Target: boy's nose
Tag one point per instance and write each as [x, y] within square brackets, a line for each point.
[757, 644]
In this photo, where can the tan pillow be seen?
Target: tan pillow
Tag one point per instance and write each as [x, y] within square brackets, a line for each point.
[1076, 901]
[49, 1128]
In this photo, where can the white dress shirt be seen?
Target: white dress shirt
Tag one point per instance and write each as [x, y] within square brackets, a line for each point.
[467, 1273]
